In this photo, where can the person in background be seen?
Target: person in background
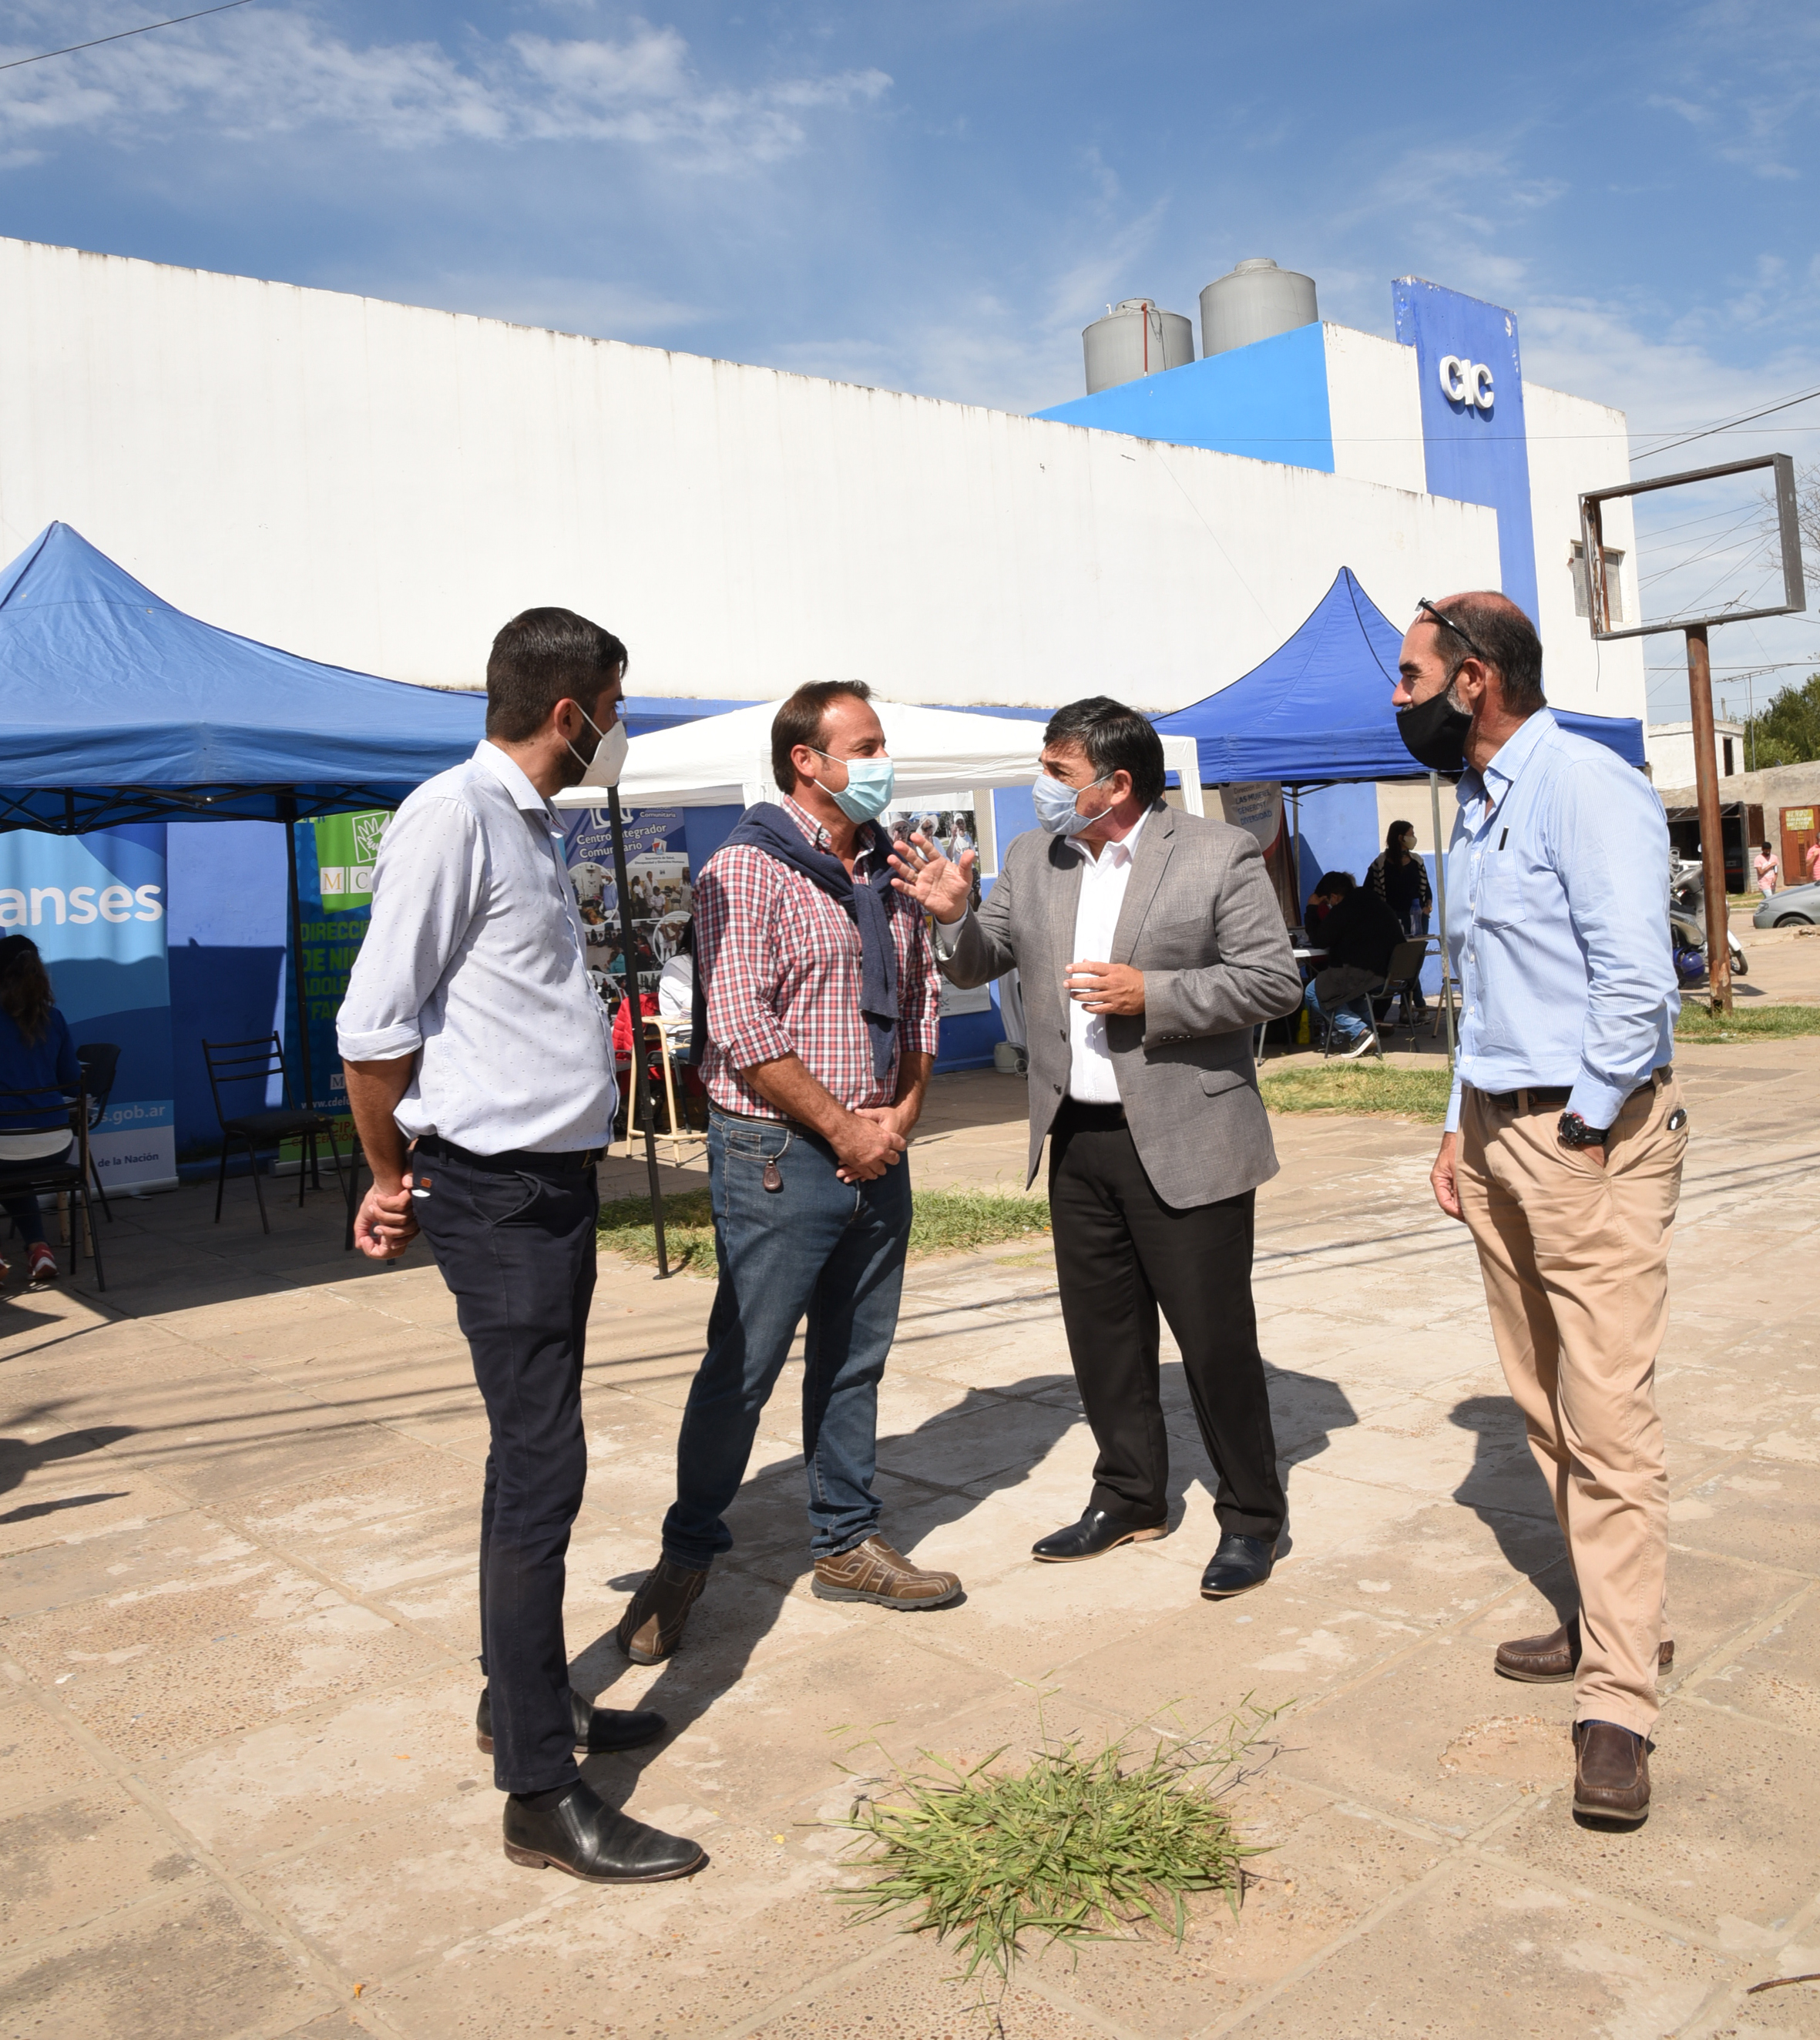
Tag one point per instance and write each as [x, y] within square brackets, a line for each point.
[676, 985]
[816, 1024]
[1358, 932]
[1399, 878]
[480, 1077]
[38, 1056]
[1768, 871]
[1812, 861]
[1565, 1138]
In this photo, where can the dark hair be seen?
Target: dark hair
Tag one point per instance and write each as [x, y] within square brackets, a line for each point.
[801, 720]
[541, 657]
[1395, 830]
[25, 992]
[1341, 882]
[1506, 638]
[1115, 738]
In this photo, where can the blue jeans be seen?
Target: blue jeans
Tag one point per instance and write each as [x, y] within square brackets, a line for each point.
[1348, 1018]
[818, 1248]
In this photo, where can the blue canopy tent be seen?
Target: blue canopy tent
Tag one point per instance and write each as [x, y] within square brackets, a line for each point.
[1317, 712]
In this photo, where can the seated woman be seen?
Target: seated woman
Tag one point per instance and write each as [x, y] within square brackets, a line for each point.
[36, 1056]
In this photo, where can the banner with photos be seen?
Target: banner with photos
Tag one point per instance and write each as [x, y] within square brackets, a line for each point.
[951, 822]
[656, 870]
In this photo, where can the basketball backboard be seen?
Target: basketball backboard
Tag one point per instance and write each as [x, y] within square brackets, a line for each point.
[1713, 546]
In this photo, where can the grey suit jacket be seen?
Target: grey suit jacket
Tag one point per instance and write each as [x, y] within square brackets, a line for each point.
[1200, 921]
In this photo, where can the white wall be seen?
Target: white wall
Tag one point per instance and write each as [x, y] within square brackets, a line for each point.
[1375, 406]
[382, 486]
[1669, 747]
[1576, 445]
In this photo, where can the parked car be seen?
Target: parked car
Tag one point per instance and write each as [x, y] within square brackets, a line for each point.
[1798, 908]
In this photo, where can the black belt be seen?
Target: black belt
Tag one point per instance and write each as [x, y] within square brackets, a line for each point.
[1532, 1098]
[569, 1162]
[1090, 1117]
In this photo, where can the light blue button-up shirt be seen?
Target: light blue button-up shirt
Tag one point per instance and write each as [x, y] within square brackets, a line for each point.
[1557, 908]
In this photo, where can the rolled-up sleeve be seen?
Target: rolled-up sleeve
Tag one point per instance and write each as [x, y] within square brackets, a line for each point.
[428, 884]
[739, 956]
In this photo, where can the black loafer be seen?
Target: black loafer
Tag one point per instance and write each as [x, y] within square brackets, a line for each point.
[589, 1840]
[1240, 1564]
[1095, 1532]
[597, 1729]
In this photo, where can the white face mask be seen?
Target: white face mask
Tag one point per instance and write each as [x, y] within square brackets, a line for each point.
[608, 763]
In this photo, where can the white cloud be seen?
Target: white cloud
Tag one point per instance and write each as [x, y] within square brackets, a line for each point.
[273, 72]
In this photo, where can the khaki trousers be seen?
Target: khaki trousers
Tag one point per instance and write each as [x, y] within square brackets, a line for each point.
[1576, 1262]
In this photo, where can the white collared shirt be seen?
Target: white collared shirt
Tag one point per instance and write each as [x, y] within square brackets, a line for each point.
[1102, 882]
[476, 960]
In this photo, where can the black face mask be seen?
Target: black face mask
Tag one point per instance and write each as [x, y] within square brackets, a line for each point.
[1434, 732]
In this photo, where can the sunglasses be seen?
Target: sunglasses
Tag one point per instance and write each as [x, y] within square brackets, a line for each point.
[1448, 623]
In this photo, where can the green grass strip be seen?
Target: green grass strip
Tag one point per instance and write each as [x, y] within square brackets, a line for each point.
[1371, 1090]
[1068, 1846]
[942, 1222]
[1698, 1024]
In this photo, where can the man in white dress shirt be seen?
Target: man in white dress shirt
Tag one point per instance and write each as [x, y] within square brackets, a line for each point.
[480, 1074]
[1149, 944]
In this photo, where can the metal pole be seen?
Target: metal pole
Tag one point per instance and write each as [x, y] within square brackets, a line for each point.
[287, 813]
[1296, 849]
[1712, 830]
[1441, 902]
[640, 1088]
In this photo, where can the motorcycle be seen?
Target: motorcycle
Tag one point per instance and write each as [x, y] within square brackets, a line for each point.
[1687, 923]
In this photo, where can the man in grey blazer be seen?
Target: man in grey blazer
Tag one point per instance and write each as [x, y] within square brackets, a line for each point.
[1149, 944]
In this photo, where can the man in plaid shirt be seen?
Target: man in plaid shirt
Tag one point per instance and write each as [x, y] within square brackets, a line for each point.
[816, 993]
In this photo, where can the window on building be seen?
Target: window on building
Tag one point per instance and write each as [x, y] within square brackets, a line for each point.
[1614, 582]
[1729, 766]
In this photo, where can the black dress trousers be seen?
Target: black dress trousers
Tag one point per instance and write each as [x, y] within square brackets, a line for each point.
[515, 1246]
[1121, 1252]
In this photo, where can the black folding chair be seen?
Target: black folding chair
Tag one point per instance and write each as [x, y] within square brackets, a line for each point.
[257, 1060]
[1402, 980]
[100, 1061]
[70, 1175]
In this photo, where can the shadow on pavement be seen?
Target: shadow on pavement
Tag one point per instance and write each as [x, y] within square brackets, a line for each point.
[1505, 1488]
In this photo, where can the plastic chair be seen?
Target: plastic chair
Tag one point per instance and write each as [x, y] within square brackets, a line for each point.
[69, 1176]
[257, 1060]
[100, 1061]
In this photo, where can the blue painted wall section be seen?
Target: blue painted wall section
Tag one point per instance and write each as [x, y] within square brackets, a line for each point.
[1474, 455]
[1266, 401]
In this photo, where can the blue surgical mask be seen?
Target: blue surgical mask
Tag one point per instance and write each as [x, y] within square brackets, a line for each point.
[867, 793]
[1055, 805]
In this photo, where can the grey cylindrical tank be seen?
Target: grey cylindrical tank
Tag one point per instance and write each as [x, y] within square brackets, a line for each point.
[1255, 302]
[1135, 338]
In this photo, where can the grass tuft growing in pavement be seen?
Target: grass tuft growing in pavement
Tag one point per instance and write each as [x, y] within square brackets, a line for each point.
[943, 1222]
[1698, 1024]
[1072, 1848]
[1369, 1088]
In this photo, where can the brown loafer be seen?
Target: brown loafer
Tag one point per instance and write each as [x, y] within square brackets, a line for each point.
[1552, 1660]
[1610, 1773]
[651, 1627]
[872, 1571]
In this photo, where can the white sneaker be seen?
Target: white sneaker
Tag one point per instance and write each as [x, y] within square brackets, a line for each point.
[1361, 1047]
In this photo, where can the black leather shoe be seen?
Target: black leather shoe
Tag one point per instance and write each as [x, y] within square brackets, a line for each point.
[597, 1729]
[1095, 1532]
[590, 1841]
[1240, 1563]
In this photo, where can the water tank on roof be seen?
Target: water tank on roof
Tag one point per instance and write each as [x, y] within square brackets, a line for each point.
[1257, 300]
[1135, 338]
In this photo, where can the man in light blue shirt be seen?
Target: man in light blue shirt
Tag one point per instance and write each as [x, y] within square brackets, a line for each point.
[1564, 1140]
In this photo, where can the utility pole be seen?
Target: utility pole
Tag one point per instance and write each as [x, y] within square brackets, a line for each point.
[1711, 830]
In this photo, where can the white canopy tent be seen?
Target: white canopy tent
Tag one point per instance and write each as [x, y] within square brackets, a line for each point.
[724, 760]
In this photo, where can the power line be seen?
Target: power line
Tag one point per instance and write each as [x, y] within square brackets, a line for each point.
[1728, 425]
[72, 48]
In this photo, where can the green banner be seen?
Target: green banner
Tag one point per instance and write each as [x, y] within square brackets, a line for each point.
[346, 846]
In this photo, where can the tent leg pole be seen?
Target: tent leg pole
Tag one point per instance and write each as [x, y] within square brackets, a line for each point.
[287, 808]
[1440, 901]
[641, 1089]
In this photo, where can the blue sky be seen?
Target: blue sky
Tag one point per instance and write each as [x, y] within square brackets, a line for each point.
[936, 196]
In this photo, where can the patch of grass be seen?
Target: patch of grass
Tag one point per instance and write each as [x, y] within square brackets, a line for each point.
[1070, 1847]
[1369, 1089]
[1746, 1023]
[943, 1222]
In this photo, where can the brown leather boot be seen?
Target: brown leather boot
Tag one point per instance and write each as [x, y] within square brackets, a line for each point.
[651, 1627]
[872, 1571]
[1552, 1660]
[1611, 1774]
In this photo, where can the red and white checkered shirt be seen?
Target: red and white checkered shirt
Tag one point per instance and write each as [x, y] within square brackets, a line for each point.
[780, 961]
